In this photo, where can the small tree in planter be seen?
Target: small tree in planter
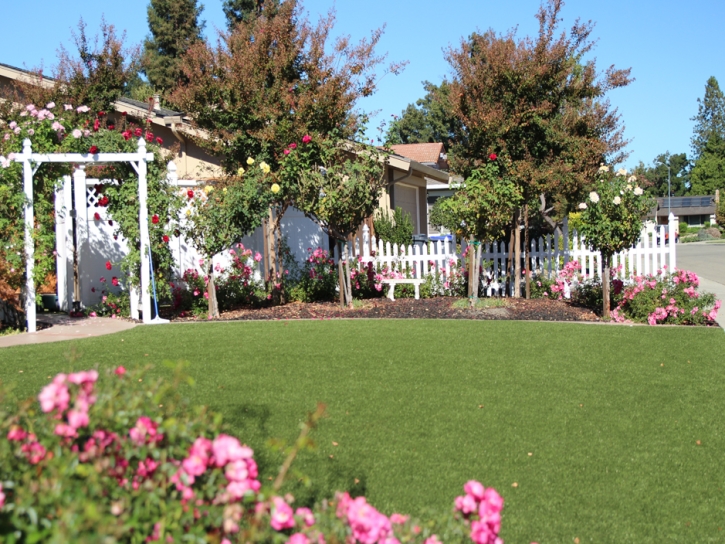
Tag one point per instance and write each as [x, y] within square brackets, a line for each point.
[220, 216]
[611, 219]
[480, 211]
[339, 184]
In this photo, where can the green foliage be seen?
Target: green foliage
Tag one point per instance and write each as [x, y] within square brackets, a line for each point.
[720, 212]
[237, 11]
[338, 184]
[708, 174]
[710, 118]
[654, 178]
[483, 206]
[684, 228]
[174, 26]
[429, 120]
[396, 228]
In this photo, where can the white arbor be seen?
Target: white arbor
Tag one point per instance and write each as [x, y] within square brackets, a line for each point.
[139, 161]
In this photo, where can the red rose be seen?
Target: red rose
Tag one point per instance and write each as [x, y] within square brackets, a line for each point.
[114, 281]
[165, 238]
[96, 125]
[111, 127]
[97, 216]
[126, 135]
[149, 137]
[108, 265]
[138, 131]
[93, 150]
[123, 113]
[101, 113]
[155, 219]
[159, 140]
[306, 139]
[190, 194]
[103, 201]
[110, 223]
[493, 156]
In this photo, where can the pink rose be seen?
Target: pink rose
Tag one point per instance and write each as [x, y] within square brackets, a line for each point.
[282, 515]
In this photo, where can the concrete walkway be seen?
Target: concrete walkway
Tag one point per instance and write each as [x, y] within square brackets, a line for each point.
[61, 327]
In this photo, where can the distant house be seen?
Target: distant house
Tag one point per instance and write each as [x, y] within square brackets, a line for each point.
[693, 210]
[432, 155]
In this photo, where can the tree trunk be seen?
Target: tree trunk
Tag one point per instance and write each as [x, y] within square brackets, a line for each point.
[527, 252]
[605, 286]
[517, 255]
[211, 291]
[341, 275]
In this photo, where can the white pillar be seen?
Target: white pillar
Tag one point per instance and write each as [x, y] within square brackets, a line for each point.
[81, 213]
[366, 241]
[673, 243]
[61, 251]
[29, 245]
[143, 219]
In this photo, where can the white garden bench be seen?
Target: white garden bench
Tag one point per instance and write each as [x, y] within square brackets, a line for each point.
[392, 282]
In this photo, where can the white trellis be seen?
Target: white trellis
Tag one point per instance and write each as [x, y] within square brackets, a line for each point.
[139, 161]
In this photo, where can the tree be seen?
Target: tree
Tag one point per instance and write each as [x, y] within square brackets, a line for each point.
[612, 218]
[710, 118]
[708, 174]
[273, 81]
[538, 104]
[480, 211]
[429, 120]
[654, 178]
[174, 26]
[221, 216]
[237, 11]
[339, 185]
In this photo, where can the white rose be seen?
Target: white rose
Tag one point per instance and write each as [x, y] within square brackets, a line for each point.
[621, 172]
[617, 200]
[632, 179]
[594, 197]
[583, 206]
[638, 191]
[603, 169]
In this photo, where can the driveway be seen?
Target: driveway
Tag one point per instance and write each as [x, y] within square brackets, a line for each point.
[707, 260]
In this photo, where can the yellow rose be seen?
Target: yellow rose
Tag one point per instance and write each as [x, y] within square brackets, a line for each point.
[240, 172]
[224, 190]
[250, 161]
[275, 188]
[188, 213]
[265, 167]
[208, 189]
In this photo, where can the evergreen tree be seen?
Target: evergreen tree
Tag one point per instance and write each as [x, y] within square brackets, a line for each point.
[656, 175]
[708, 174]
[237, 11]
[174, 26]
[710, 118]
[429, 120]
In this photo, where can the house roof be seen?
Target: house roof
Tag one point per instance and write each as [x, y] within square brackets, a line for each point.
[423, 153]
[686, 205]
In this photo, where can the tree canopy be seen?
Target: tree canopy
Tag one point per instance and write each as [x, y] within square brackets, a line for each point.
[708, 174]
[654, 177]
[429, 120]
[538, 103]
[174, 26]
[710, 118]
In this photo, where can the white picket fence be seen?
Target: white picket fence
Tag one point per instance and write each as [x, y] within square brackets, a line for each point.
[548, 255]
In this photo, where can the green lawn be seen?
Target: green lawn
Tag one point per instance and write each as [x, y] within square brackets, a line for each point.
[610, 414]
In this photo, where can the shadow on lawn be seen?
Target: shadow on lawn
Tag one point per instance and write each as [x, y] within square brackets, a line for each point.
[314, 476]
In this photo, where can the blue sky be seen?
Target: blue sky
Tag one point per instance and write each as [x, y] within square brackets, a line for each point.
[671, 46]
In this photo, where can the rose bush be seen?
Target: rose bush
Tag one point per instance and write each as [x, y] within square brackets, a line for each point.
[116, 458]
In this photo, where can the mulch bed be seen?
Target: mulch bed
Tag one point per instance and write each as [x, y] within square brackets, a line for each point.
[431, 308]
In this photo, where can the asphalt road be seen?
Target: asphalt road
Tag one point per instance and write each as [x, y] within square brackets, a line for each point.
[707, 260]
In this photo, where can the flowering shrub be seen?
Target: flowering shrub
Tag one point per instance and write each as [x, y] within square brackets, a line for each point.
[669, 300]
[318, 279]
[439, 283]
[103, 459]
